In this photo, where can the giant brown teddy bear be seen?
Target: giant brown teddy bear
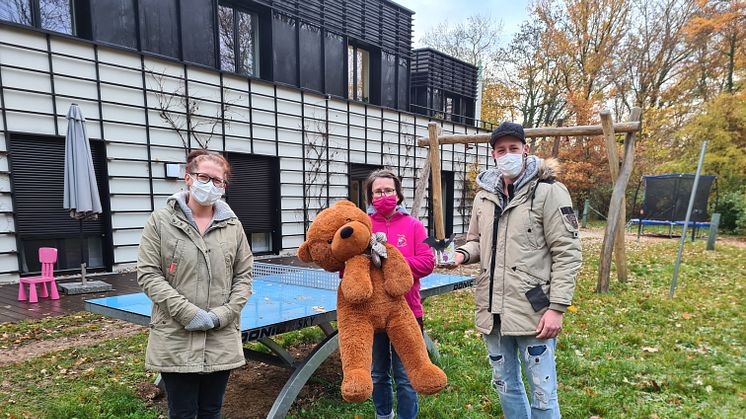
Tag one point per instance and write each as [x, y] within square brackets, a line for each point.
[369, 299]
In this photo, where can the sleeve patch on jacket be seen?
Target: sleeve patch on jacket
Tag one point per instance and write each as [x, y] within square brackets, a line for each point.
[571, 222]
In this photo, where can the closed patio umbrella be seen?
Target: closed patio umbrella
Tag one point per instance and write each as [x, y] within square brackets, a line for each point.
[81, 196]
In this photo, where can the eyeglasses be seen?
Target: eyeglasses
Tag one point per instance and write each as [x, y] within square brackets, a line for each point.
[383, 192]
[203, 178]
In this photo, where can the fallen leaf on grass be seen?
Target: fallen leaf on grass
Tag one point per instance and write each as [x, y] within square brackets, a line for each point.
[655, 385]
[572, 309]
[650, 349]
[686, 315]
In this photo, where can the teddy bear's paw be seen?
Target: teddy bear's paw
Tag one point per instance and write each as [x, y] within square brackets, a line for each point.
[357, 385]
[396, 287]
[428, 379]
[356, 292]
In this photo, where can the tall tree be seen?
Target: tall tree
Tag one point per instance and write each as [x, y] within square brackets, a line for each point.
[531, 77]
[718, 31]
[473, 40]
[654, 51]
[582, 36]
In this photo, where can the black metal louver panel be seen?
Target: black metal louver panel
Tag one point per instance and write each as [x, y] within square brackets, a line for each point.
[37, 172]
[252, 193]
[379, 22]
[436, 70]
[361, 171]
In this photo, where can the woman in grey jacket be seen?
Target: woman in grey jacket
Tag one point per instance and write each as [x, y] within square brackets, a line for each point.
[194, 263]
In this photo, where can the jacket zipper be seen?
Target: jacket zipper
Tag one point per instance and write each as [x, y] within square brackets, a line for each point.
[494, 252]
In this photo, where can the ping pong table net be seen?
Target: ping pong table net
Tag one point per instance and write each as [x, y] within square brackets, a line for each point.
[296, 275]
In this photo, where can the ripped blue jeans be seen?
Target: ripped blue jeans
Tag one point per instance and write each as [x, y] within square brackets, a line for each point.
[506, 354]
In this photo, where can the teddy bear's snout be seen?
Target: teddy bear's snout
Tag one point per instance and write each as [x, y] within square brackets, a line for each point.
[346, 232]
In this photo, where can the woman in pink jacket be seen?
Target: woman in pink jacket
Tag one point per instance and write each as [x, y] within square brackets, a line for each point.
[407, 233]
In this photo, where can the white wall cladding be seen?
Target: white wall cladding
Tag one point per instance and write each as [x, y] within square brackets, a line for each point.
[122, 94]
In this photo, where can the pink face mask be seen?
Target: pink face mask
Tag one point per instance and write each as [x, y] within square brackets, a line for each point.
[385, 204]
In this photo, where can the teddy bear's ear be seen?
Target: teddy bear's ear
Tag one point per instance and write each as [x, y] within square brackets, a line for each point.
[345, 203]
[303, 253]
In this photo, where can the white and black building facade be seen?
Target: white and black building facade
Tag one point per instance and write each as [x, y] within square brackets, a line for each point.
[303, 98]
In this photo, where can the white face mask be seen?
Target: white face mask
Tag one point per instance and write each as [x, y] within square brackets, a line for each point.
[206, 194]
[510, 164]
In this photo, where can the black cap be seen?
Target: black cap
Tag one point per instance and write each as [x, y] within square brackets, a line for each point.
[508, 129]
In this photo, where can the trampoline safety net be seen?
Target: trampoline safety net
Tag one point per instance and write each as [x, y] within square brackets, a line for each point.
[667, 197]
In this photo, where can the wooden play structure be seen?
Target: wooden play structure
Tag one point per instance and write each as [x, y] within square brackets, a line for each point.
[614, 234]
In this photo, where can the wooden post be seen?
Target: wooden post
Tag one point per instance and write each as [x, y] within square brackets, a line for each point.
[433, 130]
[419, 192]
[619, 252]
[714, 224]
[617, 196]
[586, 208]
[556, 145]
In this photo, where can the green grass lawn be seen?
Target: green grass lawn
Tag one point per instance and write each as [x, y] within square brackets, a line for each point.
[631, 353]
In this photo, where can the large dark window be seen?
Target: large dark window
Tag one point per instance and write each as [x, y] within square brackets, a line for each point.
[159, 27]
[334, 52]
[238, 41]
[54, 15]
[311, 57]
[388, 79]
[403, 83]
[285, 48]
[114, 21]
[198, 24]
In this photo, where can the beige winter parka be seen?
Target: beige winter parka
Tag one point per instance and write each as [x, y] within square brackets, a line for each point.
[181, 271]
[536, 251]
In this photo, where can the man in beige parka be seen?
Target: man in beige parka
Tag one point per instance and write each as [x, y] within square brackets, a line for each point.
[524, 233]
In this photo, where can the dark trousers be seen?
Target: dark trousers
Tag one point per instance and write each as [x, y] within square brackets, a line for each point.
[193, 395]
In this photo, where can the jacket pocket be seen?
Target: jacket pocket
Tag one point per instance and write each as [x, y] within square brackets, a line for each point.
[172, 269]
[529, 278]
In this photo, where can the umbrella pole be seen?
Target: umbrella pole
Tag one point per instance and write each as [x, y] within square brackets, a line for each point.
[82, 255]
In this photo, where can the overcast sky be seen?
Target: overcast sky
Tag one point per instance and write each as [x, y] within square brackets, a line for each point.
[429, 13]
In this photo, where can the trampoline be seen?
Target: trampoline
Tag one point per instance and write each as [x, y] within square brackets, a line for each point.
[666, 199]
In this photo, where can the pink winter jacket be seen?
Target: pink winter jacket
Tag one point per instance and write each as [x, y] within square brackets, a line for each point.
[407, 233]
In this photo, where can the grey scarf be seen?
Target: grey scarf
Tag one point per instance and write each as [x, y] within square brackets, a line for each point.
[377, 248]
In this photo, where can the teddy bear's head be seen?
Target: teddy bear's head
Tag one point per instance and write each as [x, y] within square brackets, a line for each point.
[335, 235]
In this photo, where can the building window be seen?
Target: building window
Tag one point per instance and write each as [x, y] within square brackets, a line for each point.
[261, 242]
[448, 108]
[358, 73]
[54, 15]
[17, 11]
[238, 41]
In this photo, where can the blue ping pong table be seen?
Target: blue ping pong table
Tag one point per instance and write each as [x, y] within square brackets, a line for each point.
[285, 298]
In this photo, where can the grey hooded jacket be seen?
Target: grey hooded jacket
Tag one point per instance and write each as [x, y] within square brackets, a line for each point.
[531, 265]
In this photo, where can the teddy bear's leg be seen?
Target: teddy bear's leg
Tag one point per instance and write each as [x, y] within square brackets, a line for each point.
[406, 337]
[356, 351]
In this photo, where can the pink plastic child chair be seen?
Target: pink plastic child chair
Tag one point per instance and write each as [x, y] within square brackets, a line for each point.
[47, 257]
